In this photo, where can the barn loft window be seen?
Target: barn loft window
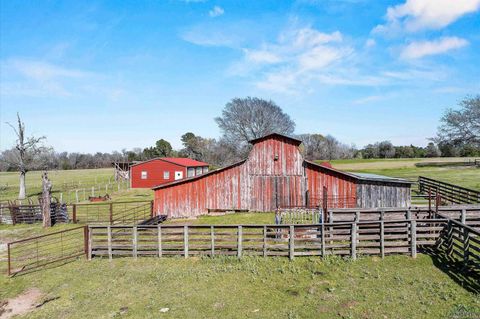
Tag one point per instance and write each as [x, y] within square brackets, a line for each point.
[144, 175]
[166, 175]
[199, 171]
[205, 169]
[190, 172]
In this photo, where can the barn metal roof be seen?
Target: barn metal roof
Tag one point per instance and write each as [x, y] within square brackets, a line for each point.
[186, 162]
[362, 176]
[188, 179]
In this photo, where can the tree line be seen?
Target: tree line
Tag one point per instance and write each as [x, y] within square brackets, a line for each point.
[244, 119]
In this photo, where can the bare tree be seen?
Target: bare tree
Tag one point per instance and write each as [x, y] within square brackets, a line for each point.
[249, 118]
[26, 150]
[461, 127]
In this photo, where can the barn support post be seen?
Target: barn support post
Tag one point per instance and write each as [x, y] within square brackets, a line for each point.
[159, 237]
[185, 241]
[109, 239]
[354, 241]
[239, 242]
[413, 238]
[291, 244]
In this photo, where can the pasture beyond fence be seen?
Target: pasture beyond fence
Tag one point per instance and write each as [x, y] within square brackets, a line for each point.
[448, 192]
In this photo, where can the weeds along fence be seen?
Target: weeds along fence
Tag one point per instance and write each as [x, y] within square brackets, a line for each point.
[35, 253]
[345, 239]
[448, 192]
[100, 213]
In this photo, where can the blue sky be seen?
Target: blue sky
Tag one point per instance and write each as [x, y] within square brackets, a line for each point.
[106, 75]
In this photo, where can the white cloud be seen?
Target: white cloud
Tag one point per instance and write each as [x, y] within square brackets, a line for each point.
[216, 12]
[417, 50]
[414, 15]
[261, 56]
[294, 59]
[370, 43]
[368, 99]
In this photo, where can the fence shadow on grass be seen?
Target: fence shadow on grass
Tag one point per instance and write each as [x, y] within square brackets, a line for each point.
[467, 277]
[53, 265]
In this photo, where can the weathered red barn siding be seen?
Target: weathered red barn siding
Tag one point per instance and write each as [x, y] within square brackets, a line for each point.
[154, 169]
[339, 185]
[274, 175]
[221, 189]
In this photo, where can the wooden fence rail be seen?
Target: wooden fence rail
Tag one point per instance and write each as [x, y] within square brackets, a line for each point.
[347, 239]
[449, 192]
[37, 252]
[98, 213]
[469, 215]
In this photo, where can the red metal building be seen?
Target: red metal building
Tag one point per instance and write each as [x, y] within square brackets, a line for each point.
[276, 175]
[164, 170]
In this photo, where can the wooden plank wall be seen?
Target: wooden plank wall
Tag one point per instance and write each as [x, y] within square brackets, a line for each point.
[375, 194]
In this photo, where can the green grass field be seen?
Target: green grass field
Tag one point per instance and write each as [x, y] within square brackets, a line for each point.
[405, 168]
[396, 287]
[225, 287]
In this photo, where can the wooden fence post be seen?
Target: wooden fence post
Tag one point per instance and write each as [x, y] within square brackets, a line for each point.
[151, 209]
[185, 241]
[466, 245]
[9, 265]
[292, 242]
[159, 234]
[111, 213]
[74, 213]
[354, 241]
[212, 240]
[382, 239]
[413, 238]
[239, 242]
[109, 238]
[264, 241]
[85, 241]
[135, 242]
[90, 243]
[463, 217]
[323, 239]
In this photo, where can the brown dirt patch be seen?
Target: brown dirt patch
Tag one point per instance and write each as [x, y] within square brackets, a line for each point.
[21, 304]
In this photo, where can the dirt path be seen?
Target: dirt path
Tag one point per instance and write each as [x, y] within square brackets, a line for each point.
[21, 304]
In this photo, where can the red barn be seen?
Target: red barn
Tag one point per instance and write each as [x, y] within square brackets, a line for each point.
[276, 175]
[163, 170]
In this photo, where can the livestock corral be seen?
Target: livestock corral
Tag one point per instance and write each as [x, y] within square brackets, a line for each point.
[272, 235]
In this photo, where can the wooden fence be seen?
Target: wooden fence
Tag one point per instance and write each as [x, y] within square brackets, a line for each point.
[449, 192]
[103, 213]
[469, 215]
[37, 252]
[462, 243]
[347, 239]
